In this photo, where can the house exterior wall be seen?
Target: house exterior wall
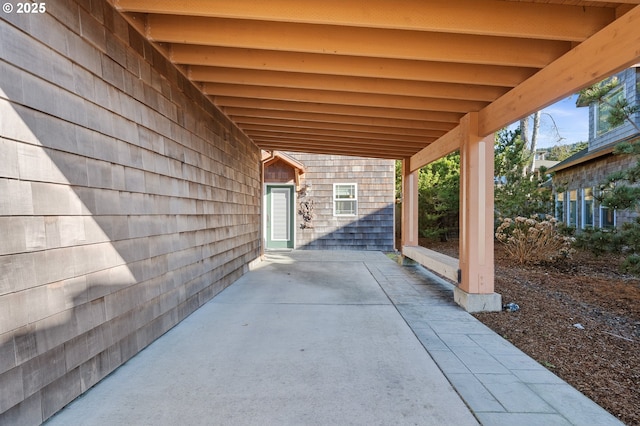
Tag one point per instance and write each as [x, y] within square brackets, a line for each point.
[373, 226]
[590, 175]
[126, 202]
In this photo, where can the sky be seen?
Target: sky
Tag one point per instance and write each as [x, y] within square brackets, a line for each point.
[572, 122]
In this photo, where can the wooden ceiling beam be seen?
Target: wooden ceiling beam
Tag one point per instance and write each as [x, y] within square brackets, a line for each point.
[613, 49]
[340, 140]
[251, 129]
[275, 145]
[269, 114]
[342, 98]
[355, 41]
[397, 131]
[344, 83]
[364, 111]
[438, 149]
[312, 63]
[329, 146]
[484, 17]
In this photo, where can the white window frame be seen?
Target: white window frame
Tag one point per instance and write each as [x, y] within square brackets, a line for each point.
[602, 209]
[354, 199]
[572, 217]
[583, 219]
[562, 216]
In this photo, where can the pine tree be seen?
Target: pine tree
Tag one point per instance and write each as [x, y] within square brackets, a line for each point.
[517, 194]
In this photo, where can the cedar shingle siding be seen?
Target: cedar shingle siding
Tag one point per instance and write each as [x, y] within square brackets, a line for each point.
[373, 226]
[126, 202]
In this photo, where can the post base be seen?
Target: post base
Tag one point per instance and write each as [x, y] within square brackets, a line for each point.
[473, 302]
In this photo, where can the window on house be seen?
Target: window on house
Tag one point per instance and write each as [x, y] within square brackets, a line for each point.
[345, 199]
[587, 208]
[572, 220]
[607, 214]
[607, 217]
[604, 107]
[560, 206]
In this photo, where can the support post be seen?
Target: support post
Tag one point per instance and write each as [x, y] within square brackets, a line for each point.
[476, 289]
[409, 231]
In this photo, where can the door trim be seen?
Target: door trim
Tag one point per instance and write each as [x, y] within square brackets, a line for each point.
[279, 244]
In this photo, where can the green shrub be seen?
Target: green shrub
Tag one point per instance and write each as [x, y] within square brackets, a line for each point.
[624, 241]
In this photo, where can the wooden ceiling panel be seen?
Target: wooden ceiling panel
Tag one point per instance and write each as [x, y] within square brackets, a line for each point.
[325, 131]
[342, 98]
[316, 126]
[366, 111]
[241, 114]
[355, 41]
[482, 17]
[386, 78]
[345, 83]
[358, 66]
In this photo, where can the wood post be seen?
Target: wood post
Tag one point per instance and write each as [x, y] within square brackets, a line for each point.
[476, 289]
[409, 231]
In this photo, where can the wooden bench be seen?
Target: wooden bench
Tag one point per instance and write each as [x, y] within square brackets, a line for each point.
[439, 263]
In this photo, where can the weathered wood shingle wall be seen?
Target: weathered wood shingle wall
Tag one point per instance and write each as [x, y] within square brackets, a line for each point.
[126, 202]
[372, 228]
[590, 175]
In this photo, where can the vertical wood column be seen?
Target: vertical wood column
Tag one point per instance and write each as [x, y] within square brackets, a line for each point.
[476, 219]
[409, 231]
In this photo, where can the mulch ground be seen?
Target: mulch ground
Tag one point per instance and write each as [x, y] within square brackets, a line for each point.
[579, 318]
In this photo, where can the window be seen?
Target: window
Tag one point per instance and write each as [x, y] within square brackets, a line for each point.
[345, 199]
[572, 220]
[604, 107]
[560, 206]
[607, 217]
[587, 208]
[607, 214]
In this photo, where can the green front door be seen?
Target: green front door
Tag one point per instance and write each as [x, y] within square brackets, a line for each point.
[279, 216]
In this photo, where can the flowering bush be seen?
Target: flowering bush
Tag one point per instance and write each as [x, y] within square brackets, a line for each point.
[532, 240]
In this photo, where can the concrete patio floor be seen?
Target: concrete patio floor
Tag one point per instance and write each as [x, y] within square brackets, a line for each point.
[332, 337]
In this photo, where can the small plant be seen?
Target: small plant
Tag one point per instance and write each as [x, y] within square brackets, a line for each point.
[547, 364]
[305, 210]
[532, 240]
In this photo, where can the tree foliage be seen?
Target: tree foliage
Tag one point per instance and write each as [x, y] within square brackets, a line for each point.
[619, 110]
[439, 198]
[562, 152]
[517, 193]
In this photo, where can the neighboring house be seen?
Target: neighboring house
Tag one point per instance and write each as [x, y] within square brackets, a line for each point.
[540, 160]
[577, 179]
[317, 201]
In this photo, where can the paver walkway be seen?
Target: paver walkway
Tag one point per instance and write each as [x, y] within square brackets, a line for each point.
[332, 337]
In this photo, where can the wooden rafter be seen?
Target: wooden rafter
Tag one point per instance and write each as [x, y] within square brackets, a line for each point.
[355, 41]
[241, 115]
[366, 111]
[359, 66]
[342, 98]
[484, 17]
[402, 73]
[383, 86]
